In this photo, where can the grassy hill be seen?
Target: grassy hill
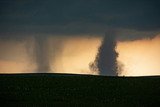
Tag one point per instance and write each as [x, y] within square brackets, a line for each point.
[78, 90]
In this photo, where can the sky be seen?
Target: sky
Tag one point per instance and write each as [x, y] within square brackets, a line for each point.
[68, 23]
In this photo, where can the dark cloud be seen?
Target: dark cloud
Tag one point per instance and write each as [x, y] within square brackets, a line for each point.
[80, 16]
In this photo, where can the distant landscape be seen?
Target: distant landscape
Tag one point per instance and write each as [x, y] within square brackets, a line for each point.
[78, 90]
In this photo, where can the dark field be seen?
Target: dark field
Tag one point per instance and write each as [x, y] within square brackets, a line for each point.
[78, 90]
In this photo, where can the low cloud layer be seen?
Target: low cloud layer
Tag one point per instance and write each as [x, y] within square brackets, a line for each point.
[77, 17]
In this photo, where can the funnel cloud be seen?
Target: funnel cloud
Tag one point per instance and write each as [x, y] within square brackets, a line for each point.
[106, 59]
[41, 54]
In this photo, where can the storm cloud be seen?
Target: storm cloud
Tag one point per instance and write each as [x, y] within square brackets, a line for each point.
[76, 17]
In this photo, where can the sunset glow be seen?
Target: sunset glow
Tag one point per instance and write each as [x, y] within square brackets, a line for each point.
[138, 58]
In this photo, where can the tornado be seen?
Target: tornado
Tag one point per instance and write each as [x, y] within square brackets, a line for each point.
[106, 59]
[41, 55]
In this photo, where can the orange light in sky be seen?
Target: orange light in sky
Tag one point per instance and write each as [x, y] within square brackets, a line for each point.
[139, 58]
[78, 52]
